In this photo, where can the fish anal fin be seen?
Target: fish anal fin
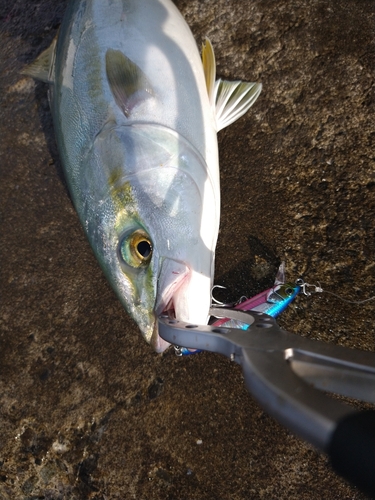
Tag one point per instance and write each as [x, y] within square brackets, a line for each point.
[128, 83]
[43, 66]
[233, 99]
[209, 68]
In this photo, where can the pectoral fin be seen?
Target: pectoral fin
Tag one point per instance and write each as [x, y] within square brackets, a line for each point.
[128, 83]
[43, 67]
[229, 100]
[233, 99]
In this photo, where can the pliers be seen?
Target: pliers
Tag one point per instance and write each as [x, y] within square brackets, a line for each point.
[287, 373]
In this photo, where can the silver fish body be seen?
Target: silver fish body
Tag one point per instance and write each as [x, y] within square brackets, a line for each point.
[136, 131]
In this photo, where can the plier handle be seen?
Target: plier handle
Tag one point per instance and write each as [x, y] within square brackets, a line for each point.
[287, 373]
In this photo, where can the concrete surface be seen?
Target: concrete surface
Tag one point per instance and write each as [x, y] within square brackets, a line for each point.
[88, 411]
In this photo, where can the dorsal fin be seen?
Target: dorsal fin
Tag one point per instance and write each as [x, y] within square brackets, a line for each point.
[42, 67]
[233, 99]
[128, 83]
[209, 68]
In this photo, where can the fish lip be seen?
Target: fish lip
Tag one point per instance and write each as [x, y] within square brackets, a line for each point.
[158, 343]
[172, 276]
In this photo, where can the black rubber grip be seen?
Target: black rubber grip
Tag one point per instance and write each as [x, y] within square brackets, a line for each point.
[352, 450]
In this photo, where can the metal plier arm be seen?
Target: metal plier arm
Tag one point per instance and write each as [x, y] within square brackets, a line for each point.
[284, 372]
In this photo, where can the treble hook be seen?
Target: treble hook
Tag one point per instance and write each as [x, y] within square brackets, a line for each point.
[217, 303]
[304, 286]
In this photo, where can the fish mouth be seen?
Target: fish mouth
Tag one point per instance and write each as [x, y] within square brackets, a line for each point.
[169, 311]
[172, 276]
[183, 294]
[159, 344]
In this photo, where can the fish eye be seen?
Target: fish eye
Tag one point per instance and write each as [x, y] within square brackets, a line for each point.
[289, 291]
[136, 248]
[144, 248]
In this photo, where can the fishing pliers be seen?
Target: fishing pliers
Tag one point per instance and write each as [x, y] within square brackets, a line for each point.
[287, 373]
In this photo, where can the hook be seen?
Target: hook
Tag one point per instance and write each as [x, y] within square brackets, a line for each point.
[217, 303]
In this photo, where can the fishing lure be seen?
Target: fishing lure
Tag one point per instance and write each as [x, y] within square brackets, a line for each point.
[272, 301]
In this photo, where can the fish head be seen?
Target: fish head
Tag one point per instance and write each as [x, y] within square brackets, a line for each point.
[158, 224]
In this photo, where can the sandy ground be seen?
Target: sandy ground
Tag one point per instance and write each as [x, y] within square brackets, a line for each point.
[88, 410]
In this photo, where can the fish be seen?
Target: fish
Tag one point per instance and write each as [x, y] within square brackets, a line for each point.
[136, 113]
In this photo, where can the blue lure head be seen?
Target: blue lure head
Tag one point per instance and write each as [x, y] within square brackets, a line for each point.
[280, 297]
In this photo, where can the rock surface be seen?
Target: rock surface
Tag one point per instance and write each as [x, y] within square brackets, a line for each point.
[88, 411]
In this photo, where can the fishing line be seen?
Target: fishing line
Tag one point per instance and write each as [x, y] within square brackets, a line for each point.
[318, 289]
